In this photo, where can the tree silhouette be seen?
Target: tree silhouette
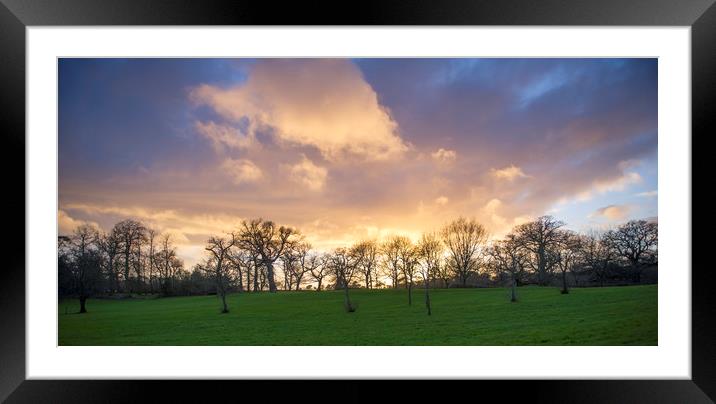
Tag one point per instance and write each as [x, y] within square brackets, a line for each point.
[429, 252]
[636, 241]
[541, 238]
[219, 248]
[464, 239]
[268, 241]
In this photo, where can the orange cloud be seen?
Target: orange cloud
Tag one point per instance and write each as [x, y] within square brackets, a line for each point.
[508, 173]
[324, 103]
[308, 174]
[242, 171]
[442, 200]
[223, 136]
[67, 224]
[444, 155]
[612, 212]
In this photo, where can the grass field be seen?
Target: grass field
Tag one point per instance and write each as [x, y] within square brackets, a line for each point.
[589, 316]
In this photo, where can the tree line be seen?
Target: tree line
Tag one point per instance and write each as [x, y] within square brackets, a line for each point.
[262, 255]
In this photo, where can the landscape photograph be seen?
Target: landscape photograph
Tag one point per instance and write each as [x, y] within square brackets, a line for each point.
[357, 202]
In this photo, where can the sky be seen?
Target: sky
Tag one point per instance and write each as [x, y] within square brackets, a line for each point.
[350, 149]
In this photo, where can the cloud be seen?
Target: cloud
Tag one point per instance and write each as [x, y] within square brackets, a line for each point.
[648, 194]
[612, 212]
[67, 224]
[162, 219]
[442, 200]
[508, 173]
[308, 174]
[498, 222]
[610, 185]
[444, 155]
[242, 171]
[223, 136]
[385, 135]
[323, 103]
[188, 231]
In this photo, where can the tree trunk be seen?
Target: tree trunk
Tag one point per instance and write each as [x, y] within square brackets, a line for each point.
[427, 298]
[83, 300]
[541, 268]
[349, 305]
[126, 274]
[410, 293]
[248, 279]
[513, 298]
[225, 308]
[110, 266]
[319, 284]
[241, 282]
[140, 270]
[256, 278]
[564, 283]
[269, 274]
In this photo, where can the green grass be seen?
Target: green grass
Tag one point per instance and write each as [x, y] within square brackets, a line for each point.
[589, 316]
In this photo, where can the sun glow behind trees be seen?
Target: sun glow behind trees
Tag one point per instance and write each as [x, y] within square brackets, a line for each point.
[354, 149]
[251, 258]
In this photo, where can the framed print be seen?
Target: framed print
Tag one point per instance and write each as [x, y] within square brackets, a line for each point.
[471, 191]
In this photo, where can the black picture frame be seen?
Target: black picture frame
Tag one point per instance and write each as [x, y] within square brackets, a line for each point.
[16, 15]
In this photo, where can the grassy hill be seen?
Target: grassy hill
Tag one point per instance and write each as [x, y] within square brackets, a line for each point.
[587, 316]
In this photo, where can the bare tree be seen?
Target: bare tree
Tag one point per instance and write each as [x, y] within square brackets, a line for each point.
[110, 246]
[268, 241]
[391, 249]
[151, 236]
[636, 241]
[370, 251]
[220, 250]
[289, 260]
[129, 232]
[541, 238]
[430, 250]
[86, 263]
[245, 263]
[139, 263]
[568, 251]
[65, 266]
[307, 262]
[344, 263]
[320, 264]
[242, 263]
[443, 272]
[165, 258]
[464, 240]
[408, 262]
[597, 253]
[508, 258]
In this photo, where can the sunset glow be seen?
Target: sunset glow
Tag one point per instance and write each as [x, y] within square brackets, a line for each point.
[346, 149]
